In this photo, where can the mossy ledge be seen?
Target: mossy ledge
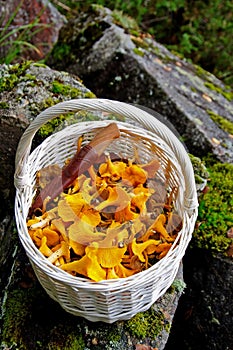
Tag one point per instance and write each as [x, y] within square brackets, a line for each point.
[228, 94]
[22, 312]
[215, 215]
[15, 74]
[222, 122]
[147, 324]
[39, 87]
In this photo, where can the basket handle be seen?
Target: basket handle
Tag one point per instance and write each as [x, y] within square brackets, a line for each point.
[104, 105]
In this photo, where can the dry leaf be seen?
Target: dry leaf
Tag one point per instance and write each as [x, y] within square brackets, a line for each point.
[207, 98]
[216, 141]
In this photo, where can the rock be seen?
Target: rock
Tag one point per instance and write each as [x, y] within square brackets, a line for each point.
[25, 90]
[116, 61]
[204, 317]
[29, 12]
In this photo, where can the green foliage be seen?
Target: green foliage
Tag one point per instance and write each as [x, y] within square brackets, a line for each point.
[125, 21]
[199, 30]
[14, 40]
[215, 216]
[61, 51]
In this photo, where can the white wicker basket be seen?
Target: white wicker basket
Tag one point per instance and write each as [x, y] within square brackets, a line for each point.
[117, 299]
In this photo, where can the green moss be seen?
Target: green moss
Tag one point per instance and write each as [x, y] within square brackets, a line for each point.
[89, 94]
[140, 43]
[15, 74]
[125, 21]
[113, 335]
[51, 126]
[30, 77]
[222, 122]
[48, 102]
[193, 89]
[27, 323]
[147, 324]
[61, 50]
[74, 342]
[57, 124]
[39, 64]
[59, 88]
[227, 94]
[215, 215]
[15, 318]
[4, 105]
[138, 51]
[202, 73]
[71, 342]
[66, 90]
[200, 172]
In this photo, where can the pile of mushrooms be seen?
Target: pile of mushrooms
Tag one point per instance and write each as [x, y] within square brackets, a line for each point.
[116, 219]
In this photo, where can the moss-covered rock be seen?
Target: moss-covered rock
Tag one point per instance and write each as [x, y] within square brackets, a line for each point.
[215, 216]
[26, 89]
[118, 61]
[200, 173]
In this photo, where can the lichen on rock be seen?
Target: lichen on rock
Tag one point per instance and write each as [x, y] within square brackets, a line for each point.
[25, 90]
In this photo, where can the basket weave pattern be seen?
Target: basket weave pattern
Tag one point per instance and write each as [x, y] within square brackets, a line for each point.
[117, 299]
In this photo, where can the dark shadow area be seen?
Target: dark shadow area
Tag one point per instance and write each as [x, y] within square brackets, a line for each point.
[204, 317]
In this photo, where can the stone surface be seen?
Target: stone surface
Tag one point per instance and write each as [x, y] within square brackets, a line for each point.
[28, 12]
[204, 318]
[26, 90]
[122, 64]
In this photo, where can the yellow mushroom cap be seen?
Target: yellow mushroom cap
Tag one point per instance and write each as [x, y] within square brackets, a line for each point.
[109, 257]
[139, 248]
[44, 249]
[134, 175]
